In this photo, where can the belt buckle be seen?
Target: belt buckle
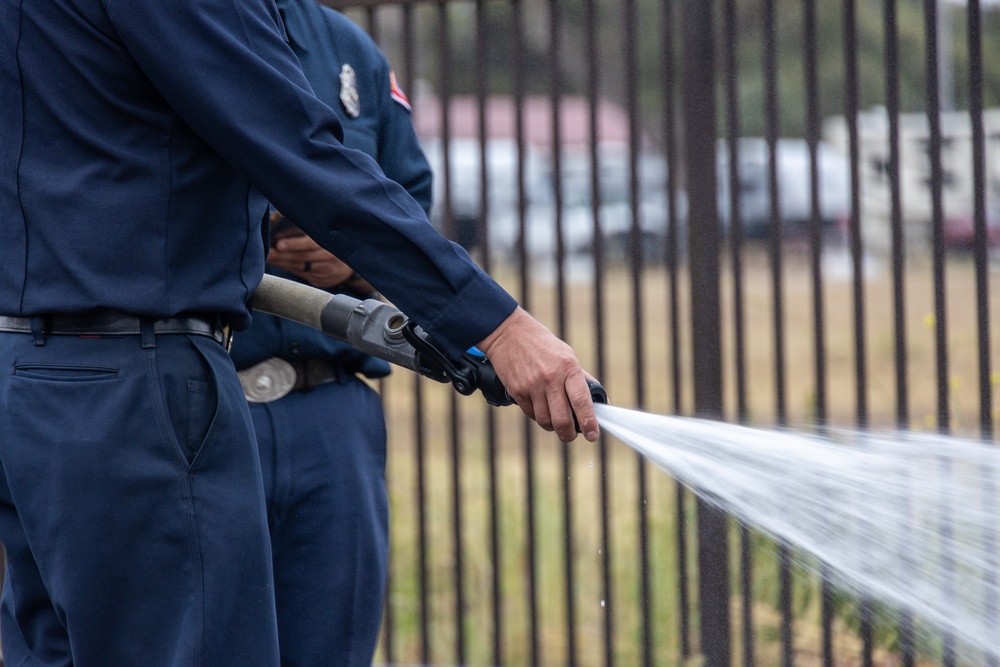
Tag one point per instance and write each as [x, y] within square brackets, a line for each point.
[227, 337]
[267, 381]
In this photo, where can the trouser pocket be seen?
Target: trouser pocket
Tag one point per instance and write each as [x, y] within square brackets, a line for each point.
[190, 393]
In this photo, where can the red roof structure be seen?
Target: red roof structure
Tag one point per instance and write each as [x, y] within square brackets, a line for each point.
[463, 119]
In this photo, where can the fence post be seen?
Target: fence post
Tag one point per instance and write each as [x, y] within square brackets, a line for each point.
[703, 244]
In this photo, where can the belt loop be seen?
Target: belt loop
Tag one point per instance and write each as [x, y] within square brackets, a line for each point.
[37, 330]
[147, 332]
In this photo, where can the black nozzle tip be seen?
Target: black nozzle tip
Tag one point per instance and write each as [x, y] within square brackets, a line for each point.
[597, 394]
[597, 391]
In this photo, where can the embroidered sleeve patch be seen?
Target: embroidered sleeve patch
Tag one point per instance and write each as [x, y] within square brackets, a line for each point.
[397, 93]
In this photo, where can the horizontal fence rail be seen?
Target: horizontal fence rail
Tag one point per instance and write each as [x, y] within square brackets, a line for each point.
[769, 212]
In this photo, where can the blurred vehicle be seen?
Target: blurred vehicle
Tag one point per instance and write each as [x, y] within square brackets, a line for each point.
[919, 161]
[463, 186]
[577, 220]
[794, 188]
[959, 230]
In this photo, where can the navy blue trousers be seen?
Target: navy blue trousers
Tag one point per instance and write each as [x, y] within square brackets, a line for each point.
[322, 455]
[131, 506]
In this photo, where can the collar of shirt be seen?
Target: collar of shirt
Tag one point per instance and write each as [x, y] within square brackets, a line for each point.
[294, 17]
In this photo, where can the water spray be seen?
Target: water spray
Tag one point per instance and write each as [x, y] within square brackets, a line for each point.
[905, 520]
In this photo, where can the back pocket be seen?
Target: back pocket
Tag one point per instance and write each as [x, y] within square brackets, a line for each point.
[61, 373]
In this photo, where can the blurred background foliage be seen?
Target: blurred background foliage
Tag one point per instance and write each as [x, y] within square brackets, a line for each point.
[651, 54]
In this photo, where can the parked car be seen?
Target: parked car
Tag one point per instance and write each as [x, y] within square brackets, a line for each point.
[577, 220]
[794, 189]
[464, 184]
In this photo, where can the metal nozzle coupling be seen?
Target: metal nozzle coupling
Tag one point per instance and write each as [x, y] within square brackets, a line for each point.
[394, 328]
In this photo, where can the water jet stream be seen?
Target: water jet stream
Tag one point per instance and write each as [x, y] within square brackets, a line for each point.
[908, 520]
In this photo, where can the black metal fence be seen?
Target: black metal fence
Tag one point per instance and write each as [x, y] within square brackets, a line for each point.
[763, 211]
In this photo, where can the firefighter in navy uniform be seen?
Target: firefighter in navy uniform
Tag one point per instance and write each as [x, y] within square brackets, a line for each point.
[320, 428]
[141, 142]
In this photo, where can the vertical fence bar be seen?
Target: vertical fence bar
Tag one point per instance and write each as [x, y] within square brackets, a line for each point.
[937, 212]
[371, 26]
[906, 627]
[982, 278]
[555, 99]
[555, 86]
[673, 308]
[630, 48]
[815, 211]
[444, 99]
[896, 216]
[979, 211]
[982, 284]
[735, 232]
[593, 88]
[851, 113]
[699, 123]
[444, 96]
[457, 521]
[482, 135]
[420, 444]
[422, 559]
[408, 56]
[735, 214]
[937, 241]
[774, 238]
[816, 232]
[775, 226]
[525, 273]
[496, 592]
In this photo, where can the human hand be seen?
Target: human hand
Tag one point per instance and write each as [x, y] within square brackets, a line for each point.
[304, 257]
[542, 375]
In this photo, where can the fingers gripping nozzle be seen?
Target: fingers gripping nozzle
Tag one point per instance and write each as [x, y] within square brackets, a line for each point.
[473, 371]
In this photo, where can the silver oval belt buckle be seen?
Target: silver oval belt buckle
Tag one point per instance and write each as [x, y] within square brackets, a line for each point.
[267, 381]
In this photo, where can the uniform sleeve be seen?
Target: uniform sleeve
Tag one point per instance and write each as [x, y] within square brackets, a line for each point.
[400, 155]
[225, 69]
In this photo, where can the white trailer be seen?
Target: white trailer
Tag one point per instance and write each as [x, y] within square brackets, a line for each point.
[915, 176]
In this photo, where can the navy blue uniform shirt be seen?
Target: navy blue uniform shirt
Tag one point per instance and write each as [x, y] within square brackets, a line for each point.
[325, 41]
[139, 143]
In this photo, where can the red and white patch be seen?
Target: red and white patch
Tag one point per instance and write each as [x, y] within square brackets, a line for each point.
[396, 92]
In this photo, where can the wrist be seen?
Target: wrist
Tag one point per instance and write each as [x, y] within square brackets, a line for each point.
[487, 343]
[354, 284]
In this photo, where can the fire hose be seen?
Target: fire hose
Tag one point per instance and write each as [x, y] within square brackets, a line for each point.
[383, 331]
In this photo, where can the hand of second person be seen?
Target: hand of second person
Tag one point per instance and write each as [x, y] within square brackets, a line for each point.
[542, 375]
[304, 257]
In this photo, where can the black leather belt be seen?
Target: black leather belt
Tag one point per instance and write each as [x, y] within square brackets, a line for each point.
[275, 378]
[110, 323]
